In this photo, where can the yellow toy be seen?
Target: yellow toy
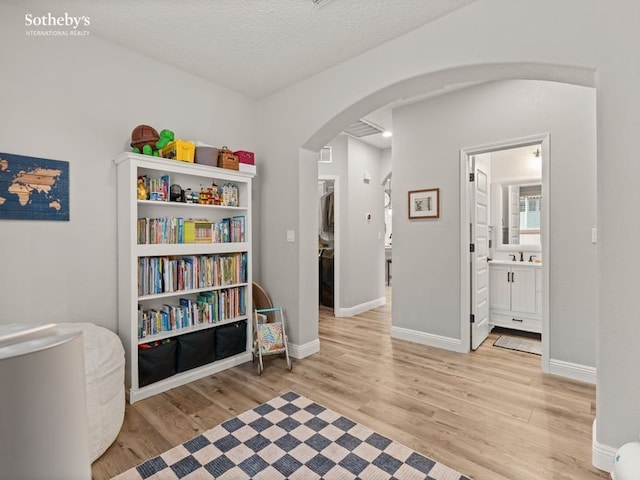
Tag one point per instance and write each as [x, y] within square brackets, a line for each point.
[143, 192]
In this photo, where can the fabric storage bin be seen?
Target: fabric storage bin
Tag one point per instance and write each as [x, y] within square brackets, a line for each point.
[207, 156]
[245, 157]
[230, 339]
[157, 362]
[195, 349]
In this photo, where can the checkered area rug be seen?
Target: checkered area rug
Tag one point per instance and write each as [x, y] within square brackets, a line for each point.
[291, 437]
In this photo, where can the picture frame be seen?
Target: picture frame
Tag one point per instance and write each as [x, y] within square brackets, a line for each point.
[424, 203]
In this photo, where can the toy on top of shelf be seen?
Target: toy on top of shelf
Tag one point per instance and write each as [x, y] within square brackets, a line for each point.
[166, 137]
[143, 139]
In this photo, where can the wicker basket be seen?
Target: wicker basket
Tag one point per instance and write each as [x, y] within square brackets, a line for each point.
[226, 159]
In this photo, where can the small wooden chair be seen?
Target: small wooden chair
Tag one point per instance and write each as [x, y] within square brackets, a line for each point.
[262, 300]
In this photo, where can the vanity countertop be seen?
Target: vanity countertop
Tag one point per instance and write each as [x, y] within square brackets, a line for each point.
[519, 264]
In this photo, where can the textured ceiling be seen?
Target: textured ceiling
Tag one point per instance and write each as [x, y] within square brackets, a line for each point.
[255, 47]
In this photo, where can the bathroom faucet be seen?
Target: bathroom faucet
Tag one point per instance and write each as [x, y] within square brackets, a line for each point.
[521, 256]
[531, 257]
[512, 255]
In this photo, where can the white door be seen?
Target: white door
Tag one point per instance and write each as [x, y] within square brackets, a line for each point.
[523, 289]
[514, 215]
[479, 267]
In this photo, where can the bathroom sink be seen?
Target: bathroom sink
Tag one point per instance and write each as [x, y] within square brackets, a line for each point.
[511, 262]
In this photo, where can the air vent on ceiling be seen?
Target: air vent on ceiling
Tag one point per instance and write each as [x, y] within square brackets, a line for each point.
[320, 3]
[363, 128]
[325, 155]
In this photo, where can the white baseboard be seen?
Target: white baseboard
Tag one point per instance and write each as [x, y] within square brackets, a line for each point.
[574, 371]
[363, 307]
[304, 350]
[446, 343]
[602, 456]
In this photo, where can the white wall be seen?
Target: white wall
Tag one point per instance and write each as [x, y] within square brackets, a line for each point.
[427, 139]
[574, 39]
[515, 164]
[78, 99]
[363, 254]
[386, 162]
[82, 99]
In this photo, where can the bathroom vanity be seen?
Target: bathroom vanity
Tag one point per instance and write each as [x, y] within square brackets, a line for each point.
[515, 295]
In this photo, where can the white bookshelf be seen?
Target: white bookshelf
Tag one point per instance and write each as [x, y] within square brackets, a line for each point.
[129, 167]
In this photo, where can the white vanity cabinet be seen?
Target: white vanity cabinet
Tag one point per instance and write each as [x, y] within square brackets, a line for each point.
[515, 298]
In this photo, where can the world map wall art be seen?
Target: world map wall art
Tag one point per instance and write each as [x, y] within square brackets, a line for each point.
[33, 188]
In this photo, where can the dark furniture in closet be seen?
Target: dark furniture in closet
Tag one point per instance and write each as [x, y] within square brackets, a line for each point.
[325, 268]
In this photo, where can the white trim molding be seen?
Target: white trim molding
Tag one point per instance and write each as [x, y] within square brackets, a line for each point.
[574, 371]
[363, 307]
[304, 350]
[429, 339]
[602, 456]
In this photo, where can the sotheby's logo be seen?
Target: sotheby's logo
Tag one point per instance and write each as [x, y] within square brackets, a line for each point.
[50, 25]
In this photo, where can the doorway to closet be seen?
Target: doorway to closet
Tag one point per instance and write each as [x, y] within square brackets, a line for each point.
[351, 225]
[329, 242]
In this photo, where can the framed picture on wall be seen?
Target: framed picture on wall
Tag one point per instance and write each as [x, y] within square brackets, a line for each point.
[424, 203]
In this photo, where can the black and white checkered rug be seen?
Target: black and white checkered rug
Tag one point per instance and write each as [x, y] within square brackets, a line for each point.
[291, 437]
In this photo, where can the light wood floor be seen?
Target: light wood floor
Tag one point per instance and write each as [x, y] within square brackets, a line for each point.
[491, 414]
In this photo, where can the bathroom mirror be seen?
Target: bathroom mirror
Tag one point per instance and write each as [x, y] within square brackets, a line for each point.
[517, 212]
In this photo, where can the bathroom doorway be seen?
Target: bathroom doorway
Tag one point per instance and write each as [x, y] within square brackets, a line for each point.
[504, 229]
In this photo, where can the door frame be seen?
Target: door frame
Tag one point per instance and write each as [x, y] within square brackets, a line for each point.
[465, 236]
[336, 240]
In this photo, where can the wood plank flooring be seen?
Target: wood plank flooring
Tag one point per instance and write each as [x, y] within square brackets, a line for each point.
[491, 414]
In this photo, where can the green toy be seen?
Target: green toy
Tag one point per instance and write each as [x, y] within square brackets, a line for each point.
[166, 137]
[145, 140]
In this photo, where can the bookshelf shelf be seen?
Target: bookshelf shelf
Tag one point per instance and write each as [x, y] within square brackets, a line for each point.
[157, 296]
[193, 328]
[156, 362]
[190, 206]
[178, 249]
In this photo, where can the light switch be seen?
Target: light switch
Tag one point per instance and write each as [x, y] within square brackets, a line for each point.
[594, 235]
[291, 236]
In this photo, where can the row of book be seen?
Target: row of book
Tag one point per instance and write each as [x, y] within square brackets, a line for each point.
[209, 308]
[173, 274]
[170, 230]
